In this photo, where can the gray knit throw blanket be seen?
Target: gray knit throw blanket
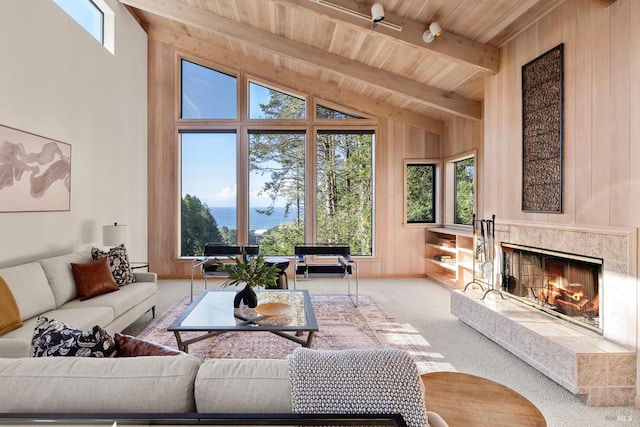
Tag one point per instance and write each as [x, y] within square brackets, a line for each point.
[372, 381]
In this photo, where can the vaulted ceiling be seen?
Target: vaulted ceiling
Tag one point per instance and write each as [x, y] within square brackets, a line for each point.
[335, 44]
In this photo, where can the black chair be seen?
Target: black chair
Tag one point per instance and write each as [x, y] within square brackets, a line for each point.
[219, 252]
[318, 261]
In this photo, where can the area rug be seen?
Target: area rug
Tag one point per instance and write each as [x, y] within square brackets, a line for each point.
[340, 324]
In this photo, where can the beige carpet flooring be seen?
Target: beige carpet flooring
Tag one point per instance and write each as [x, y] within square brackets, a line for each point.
[341, 326]
[422, 305]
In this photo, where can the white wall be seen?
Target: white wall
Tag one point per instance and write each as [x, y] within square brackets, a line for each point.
[58, 82]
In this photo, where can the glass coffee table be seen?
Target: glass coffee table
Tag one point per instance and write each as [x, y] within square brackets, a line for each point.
[212, 313]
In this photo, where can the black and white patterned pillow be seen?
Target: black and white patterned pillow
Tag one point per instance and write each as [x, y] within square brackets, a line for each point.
[118, 263]
[54, 338]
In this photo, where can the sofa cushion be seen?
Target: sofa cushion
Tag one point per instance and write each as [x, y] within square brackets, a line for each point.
[122, 301]
[9, 311]
[243, 386]
[60, 277]
[93, 278]
[130, 346]
[30, 288]
[118, 262]
[54, 338]
[113, 385]
[81, 318]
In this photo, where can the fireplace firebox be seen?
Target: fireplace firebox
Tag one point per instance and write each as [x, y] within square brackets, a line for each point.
[564, 285]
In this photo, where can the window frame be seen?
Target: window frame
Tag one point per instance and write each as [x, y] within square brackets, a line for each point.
[244, 126]
[437, 190]
[450, 186]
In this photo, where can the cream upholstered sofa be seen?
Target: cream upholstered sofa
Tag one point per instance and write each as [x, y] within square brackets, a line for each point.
[47, 287]
[154, 384]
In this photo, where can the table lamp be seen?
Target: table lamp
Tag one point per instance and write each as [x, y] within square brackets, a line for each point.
[114, 235]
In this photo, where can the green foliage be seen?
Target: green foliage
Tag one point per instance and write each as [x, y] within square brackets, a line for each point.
[283, 106]
[464, 197]
[281, 240]
[420, 193]
[344, 190]
[198, 227]
[246, 270]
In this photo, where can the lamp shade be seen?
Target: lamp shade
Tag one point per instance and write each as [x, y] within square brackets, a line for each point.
[114, 235]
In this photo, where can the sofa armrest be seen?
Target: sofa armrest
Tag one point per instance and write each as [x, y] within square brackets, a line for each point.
[146, 277]
[436, 420]
[14, 347]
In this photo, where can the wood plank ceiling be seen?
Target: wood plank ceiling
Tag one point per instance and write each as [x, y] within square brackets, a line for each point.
[334, 44]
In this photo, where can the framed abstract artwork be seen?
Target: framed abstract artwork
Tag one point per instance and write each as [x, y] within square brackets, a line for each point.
[35, 172]
[542, 132]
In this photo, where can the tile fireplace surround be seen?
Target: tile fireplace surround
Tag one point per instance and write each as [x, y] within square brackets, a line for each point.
[599, 368]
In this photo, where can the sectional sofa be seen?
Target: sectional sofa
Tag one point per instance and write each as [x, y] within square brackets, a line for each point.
[47, 287]
[154, 385]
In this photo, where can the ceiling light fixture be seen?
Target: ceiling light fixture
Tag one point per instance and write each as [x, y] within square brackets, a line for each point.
[434, 31]
[377, 12]
[358, 14]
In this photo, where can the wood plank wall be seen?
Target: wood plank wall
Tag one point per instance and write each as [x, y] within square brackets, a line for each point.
[601, 116]
[601, 122]
[399, 249]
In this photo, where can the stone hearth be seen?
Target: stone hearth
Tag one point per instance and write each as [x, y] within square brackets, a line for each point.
[583, 362]
[601, 368]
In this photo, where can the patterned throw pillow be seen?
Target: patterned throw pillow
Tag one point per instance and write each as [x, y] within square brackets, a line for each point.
[54, 338]
[118, 262]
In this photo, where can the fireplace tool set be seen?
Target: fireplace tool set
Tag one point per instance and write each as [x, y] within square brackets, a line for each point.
[484, 253]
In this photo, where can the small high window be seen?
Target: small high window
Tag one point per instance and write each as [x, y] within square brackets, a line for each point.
[87, 14]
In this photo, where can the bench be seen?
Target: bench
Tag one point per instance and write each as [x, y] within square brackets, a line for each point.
[318, 261]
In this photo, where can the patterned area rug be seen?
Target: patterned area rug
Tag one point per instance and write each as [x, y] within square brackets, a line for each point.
[341, 326]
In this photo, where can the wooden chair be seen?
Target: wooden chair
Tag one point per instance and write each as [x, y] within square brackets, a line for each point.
[308, 265]
[217, 251]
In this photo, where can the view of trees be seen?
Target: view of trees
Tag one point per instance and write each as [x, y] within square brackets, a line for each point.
[198, 227]
[420, 193]
[464, 197]
[344, 187]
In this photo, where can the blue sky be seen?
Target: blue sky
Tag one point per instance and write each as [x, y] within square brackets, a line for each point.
[209, 161]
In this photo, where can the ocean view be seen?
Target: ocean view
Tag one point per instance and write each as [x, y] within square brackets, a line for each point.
[226, 217]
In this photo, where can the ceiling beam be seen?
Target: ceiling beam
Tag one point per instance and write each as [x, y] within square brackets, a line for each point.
[458, 48]
[208, 21]
[292, 80]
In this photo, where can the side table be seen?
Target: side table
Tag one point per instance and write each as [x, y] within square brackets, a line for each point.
[464, 400]
[139, 264]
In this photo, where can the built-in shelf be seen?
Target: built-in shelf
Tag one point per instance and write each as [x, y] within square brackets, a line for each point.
[449, 255]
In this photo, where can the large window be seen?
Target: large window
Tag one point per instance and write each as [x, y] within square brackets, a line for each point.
[345, 189]
[420, 192]
[208, 177]
[248, 167]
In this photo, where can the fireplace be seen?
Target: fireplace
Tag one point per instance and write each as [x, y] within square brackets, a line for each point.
[564, 285]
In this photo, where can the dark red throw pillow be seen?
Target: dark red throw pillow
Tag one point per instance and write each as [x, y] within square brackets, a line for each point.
[129, 346]
[93, 278]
